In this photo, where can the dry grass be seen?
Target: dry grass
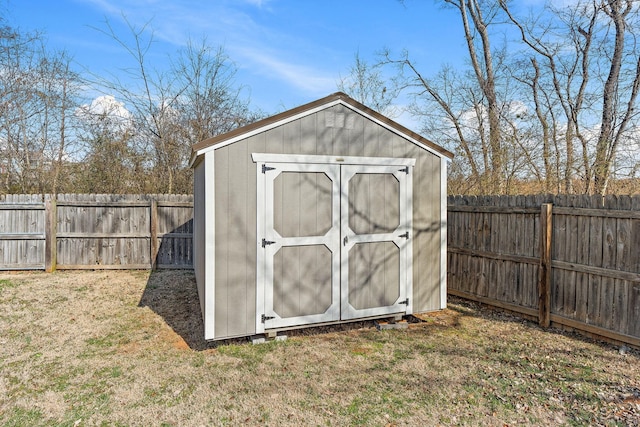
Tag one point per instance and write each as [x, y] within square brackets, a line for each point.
[124, 348]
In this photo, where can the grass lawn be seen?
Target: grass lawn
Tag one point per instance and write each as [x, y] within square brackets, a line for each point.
[125, 348]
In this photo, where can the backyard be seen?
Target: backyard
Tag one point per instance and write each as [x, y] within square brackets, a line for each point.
[125, 348]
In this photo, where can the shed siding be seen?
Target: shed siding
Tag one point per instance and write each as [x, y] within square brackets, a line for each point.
[223, 244]
[427, 228]
[339, 131]
[235, 241]
[199, 225]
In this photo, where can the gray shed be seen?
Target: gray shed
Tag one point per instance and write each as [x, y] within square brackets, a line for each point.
[326, 213]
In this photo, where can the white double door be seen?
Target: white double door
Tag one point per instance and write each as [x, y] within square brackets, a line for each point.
[334, 239]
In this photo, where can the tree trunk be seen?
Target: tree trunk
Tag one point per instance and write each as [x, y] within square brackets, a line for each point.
[602, 164]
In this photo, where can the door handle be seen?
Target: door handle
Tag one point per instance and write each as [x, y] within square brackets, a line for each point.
[345, 240]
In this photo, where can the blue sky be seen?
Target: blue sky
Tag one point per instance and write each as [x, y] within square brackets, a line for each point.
[288, 52]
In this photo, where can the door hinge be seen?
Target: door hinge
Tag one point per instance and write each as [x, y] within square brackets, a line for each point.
[405, 170]
[266, 242]
[265, 318]
[405, 302]
[405, 235]
[266, 168]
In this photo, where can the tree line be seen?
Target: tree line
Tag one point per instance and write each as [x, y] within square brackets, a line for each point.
[132, 137]
[545, 102]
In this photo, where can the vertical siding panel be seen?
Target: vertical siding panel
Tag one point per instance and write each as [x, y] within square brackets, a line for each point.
[199, 231]
[222, 224]
[308, 144]
[357, 143]
[340, 132]
[291, 140]
[427, 223]
[398, 146]
[275, 143]
[420, 297]
[237, 303]
[324, 133]
[370, 143]
[385, 143]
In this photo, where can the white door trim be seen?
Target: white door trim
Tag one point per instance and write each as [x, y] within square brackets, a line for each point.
[339, 170]
[344, 160]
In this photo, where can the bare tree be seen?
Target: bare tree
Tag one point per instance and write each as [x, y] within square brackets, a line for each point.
[469, 104]
[111, 163]
[553, 113]
[588, 75]
[191, 100]
[39, 91]
[366, 84]
[616, 110]
[482, 63]
[211, 102]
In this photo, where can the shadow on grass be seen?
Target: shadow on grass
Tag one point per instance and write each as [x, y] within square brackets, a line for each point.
[172, 294]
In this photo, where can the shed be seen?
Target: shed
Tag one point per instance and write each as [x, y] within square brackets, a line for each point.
[326, 213]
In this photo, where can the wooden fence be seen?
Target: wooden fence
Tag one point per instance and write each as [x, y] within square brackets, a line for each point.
[568, 260]
[96, 231]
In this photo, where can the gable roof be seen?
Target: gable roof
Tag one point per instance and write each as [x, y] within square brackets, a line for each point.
[337, 98]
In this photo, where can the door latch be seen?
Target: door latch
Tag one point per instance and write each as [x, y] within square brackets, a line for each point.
[345, 241]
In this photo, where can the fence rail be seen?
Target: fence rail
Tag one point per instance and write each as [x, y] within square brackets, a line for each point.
[568, 260]
[96, 231]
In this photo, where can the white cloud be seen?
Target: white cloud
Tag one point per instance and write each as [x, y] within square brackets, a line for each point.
[106, 105]
[106, 110]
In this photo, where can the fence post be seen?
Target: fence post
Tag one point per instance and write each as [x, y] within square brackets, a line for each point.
[544, 282]
[153, 246]
[50, 231]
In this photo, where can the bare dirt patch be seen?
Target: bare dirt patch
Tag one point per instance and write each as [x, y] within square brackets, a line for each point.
[126, 348]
